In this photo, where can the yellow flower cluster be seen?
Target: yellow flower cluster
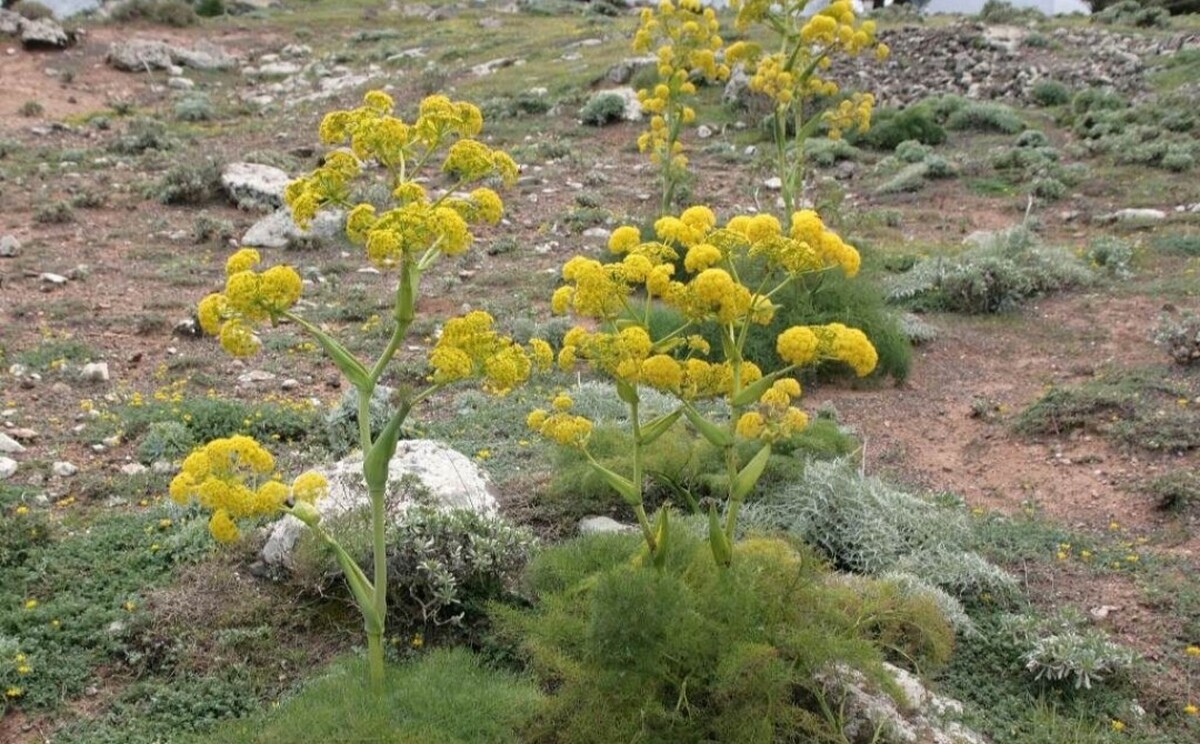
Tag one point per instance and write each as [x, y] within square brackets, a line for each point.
[470, 347]
[235, 478]
[774, 418]
[852, 113]
[560, 426]
[419, 224]
[249, 298]
[802, 345]
[687, 39]
[830, 250]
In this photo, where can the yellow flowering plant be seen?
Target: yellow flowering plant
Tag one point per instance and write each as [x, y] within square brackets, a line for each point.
[235, 478]
[794, 74]
[685, 37]
[732, 273]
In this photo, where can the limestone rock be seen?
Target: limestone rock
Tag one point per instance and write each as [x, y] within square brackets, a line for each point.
[277, 229]
[601, 525]
[10, 446]
[64, 469]
[144, 55]
[45, 34]
[8, 468]
[255, 186]
[452, 479]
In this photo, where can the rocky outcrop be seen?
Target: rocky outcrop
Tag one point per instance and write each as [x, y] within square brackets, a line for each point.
[145, 55]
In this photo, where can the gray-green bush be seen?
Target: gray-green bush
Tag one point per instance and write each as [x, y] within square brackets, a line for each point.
[985, 117]
[603, 109]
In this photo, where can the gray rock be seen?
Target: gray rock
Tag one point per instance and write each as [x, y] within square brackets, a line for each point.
[625, 70]
[1135, 216]
[8, 468]
[452, 480]
[10, 247]
[94, 372]
[56, 280]
[45, 34]
[255, 375]
[487, 68]
[144, 55]
[63, 469]
[278, 229]
[601, 525]
[10, 446]
[737, 91]
[133, 468]
[255, 186]
[180, 83]
[11, 23]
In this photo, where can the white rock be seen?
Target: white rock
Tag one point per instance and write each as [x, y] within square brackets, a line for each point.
[704, 131]
[277, 229]
[133, 468]
[452, 479]
[278, 69]
[10, 247]
[162, 467]
[10, 446]
[598, 525]
[254, 186]
[598, 233]
[180, 83]
[143, 55]
[774, 183]
[1136, 216]
[63, 469]
[56, 280]
[289, 384]
[8, 467]
[94, 372]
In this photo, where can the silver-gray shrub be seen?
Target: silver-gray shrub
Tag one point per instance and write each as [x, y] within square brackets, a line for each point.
[1060, 647]
[995, 274]
[868, 526]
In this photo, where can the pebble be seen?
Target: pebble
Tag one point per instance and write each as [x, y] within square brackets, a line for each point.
[56, 280]
[181, 83]
[113, 441]
[8, 467]
[63, 469]
[133, 468]
[774, 183]
[255, 375]
[289, 384]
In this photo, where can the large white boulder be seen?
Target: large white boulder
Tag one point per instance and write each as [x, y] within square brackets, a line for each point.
[254, 186]
[278, 229]
[452, 480]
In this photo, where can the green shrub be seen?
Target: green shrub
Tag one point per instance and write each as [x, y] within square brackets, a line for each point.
[1133, 13]
[825, 152]
[832, 298]
[864, 525]
[210, 8]
[165, 440]
[1098, 99]
[175, 13]
[693, 652]
[1178, 490]
[31, 109]
[994, 275]
[1113, 255]
[911, 151]
[448, 696]
[1048, 188]
[985, 117]
[1034, 138]
[209, 418]
[1002, 11]
[195, 107]
[141, 135]
[890, 127]
[443, 566]
[937, 166]
[54, 213]
[911, 178]
[1180, 336]
[603, 109]
[206, 228]
[1050, 93]
[189, 183]
[21, 536]
[1177, 159]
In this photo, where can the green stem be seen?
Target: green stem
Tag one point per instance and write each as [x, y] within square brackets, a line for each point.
[640, 510]
[375, 662]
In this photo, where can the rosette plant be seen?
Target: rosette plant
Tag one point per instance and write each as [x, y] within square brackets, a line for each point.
[234, 478]
[732, 273]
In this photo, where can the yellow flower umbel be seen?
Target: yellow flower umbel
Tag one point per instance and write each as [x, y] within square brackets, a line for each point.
[234, 478]
[619, 298]
[249, 299]
[685, 39]
[793, 73]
